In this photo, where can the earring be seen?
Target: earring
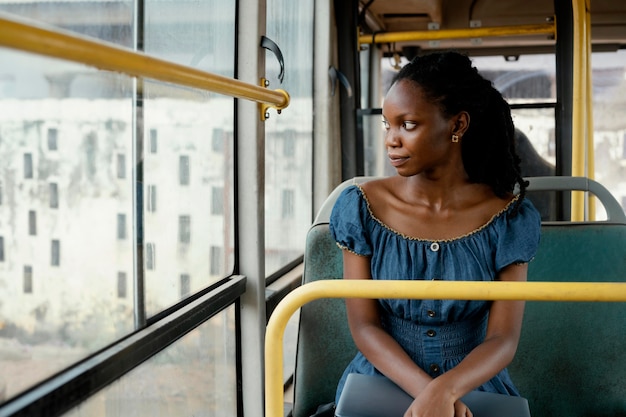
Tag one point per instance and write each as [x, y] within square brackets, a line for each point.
[455, 138]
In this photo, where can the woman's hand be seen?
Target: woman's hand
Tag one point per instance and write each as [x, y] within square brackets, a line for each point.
[434, 402]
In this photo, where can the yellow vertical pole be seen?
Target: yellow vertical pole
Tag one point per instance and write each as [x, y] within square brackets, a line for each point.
[579, 125]
[591, 165]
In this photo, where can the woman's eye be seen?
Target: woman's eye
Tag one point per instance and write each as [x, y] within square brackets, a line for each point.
[385, 124]
[409, 125]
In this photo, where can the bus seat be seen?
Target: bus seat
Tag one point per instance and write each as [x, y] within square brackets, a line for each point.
[550, 349]
[571, 360]
[325, 346]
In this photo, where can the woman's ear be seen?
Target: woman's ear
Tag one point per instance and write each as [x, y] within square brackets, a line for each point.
[461, 123]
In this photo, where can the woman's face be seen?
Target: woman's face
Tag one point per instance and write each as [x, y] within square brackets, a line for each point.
[418, 136]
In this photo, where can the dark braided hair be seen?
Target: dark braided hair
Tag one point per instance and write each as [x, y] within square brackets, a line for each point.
[488, 146]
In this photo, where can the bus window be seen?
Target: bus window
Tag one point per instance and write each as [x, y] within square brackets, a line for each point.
[188, 142]
[289, 137]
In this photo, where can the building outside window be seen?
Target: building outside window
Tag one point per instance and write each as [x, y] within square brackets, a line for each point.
[121, 226]
[53, 134]
[152, 202]
[28, 279]
[288, 200]
[153, 140]
[121, 285]
[183, 170]
[121, 165]
[32, 222]
[185, 285]
[217, 143]
[216, 260]
[184, 229]
[54, 195]
[150, 256]
[55, 253]
[28, 165]
[217, 200]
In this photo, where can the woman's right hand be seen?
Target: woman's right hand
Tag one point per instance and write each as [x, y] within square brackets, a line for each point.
[433, 402]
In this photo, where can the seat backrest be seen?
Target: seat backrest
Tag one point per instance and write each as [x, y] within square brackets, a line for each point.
[550, 358]
[571, 360]
[325, 346]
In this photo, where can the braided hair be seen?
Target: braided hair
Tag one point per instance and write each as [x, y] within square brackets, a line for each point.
[488, 146]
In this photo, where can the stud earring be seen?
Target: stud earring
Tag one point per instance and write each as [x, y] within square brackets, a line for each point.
[455, 138]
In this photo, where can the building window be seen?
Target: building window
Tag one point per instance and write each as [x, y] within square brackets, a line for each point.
[184, 229]
[1, 248]
[121, 285]
[54, 195]
[53, 135]
[183, 170]
[152, 202]
[153, 141]
[150, 256]
[217, 142]
[32, 222]
[287, 204]
[55, 253]
[289, 143]
[121, 226]
[217, 200]
[28, 279]
[121, 165]
[185, 285]
[91, 151]
[28, 165]
[216, 260]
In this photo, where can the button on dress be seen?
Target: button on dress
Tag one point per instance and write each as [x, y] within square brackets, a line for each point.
[437, 334]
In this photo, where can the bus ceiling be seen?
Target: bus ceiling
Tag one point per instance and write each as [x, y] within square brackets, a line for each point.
[380, 20]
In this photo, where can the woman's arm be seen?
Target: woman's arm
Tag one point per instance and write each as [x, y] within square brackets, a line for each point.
[370, 338]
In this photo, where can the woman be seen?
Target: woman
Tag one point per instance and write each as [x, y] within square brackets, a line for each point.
[449, 214]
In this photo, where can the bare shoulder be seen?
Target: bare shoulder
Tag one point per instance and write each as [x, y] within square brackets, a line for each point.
[380, 188]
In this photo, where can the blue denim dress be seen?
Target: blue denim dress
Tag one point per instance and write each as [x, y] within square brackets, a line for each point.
[437, 334]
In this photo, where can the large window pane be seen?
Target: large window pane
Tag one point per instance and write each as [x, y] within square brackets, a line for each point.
[62, 256]
[190, 219]
[288, 155]
[609, 107]
[193, 377]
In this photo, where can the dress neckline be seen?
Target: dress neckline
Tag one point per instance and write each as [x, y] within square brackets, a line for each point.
[418, 239]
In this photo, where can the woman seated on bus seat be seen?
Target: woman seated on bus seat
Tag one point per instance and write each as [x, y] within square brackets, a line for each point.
[449, 214]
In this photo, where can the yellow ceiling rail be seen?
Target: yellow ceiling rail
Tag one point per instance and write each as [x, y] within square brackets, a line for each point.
[450, 290]
[61, 44]
[482, 32]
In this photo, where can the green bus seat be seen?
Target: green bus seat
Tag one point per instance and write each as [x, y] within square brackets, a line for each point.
[571, 360]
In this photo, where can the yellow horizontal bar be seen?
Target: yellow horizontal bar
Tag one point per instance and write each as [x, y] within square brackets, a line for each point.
[431, 35]
[106, 56]
[450, 290]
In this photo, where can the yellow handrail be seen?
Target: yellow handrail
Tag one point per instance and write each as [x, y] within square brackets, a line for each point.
[450, 290]
[57, 43]
[582, 103]
[483, 32]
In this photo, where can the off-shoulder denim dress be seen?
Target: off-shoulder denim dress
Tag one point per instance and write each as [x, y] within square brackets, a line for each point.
[437, 334]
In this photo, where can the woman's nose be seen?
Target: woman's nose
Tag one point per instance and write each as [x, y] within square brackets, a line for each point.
[391, 139]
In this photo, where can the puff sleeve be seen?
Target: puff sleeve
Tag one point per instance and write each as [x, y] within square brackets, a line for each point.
[518, 236]
[348, 222]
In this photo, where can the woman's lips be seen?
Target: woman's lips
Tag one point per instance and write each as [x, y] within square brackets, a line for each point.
[397, 160]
